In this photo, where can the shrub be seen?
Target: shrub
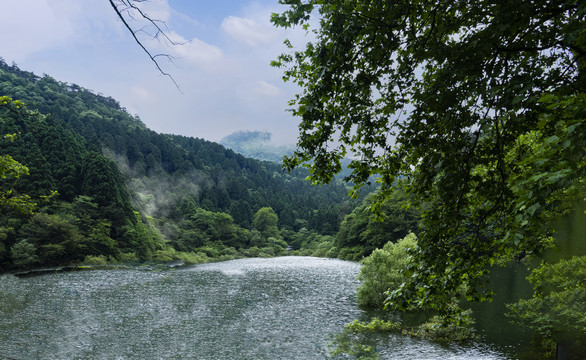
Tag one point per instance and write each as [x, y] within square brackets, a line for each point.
[438, 329]
[332, 253]
[127, 257]
[384, 269]
[193, 258]
[23, 253]
[433, 329]
[253, 251]
[95, 260]
[267, 251]
[230, 251]
[165, 255]
[320, 252]
[354, 253]
[210, 251]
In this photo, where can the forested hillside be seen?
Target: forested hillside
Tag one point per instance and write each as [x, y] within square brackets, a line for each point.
[124, 190]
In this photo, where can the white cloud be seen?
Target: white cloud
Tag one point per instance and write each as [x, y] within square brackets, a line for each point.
[156, 9]
[46, 27]
[200, 52]
[226, 84]
[187, 19]
[194, 51]
[264, 88]
[248, 31]
[142, 95]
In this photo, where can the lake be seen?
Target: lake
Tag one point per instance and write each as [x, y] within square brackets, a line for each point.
[278, 308]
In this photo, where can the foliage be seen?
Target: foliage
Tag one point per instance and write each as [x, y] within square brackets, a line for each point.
[204, 228]
[125, 257]
[170, 175]
[12, 169]
[140, 237]
[311, 243]
[450, 97]
[354, 253]
[95, 260]
[438, 329]
[375, 325]
[557, 310]
[321, 246]
[352, 340]
[56, 239]
[23, 254]
[350, 346]
[433, 329]
[265, 220]
[106, 166]
[89, 213]
[364, 229]
[385, 269]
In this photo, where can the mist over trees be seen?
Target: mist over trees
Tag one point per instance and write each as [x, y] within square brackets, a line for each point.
[125, 192]
[468, 115]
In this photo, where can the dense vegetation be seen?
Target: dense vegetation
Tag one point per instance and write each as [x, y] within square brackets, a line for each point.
[123, 192]
[476, 108]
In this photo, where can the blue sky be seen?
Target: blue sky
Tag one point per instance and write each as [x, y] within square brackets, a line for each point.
[222, 69]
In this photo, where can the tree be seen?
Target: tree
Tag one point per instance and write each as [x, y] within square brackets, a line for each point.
[556, 310]
[24, 254]
[103, 182]
[12, 170]
[370, 232]
[478, 108]
[57, 240]
[265, 220]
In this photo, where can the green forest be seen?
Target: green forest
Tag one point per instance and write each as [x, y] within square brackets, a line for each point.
[438, 141]
[99, 186]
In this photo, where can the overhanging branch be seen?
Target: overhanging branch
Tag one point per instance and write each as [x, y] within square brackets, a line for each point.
[160, 31]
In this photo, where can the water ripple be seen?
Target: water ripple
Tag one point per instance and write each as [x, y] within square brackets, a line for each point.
[289, 307]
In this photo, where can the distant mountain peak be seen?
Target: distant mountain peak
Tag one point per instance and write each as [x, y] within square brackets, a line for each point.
[256, 145]
[247, 136]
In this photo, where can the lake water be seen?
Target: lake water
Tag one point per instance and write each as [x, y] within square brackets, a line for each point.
[279, 308]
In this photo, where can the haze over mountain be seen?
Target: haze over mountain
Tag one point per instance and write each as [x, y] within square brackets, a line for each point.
[126, 191]
[222, 67]
[257, 145]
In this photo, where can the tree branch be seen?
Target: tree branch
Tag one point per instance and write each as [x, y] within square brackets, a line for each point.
[133, 33]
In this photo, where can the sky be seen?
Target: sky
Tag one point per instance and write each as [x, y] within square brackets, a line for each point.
[222, 67]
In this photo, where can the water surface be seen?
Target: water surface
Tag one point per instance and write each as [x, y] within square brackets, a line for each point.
[280, 308]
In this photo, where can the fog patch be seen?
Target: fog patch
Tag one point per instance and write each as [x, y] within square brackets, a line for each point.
[158, 193]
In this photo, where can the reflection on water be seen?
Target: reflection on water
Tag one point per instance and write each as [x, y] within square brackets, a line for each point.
[289, 308]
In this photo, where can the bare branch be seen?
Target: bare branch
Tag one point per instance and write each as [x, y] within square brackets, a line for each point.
[153, 22]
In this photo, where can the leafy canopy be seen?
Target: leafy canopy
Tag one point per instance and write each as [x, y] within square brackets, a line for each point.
[478, 106]
[557, 308]
[11, 170]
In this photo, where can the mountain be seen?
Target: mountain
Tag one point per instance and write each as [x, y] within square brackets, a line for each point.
[135, 192]
[256, 145]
